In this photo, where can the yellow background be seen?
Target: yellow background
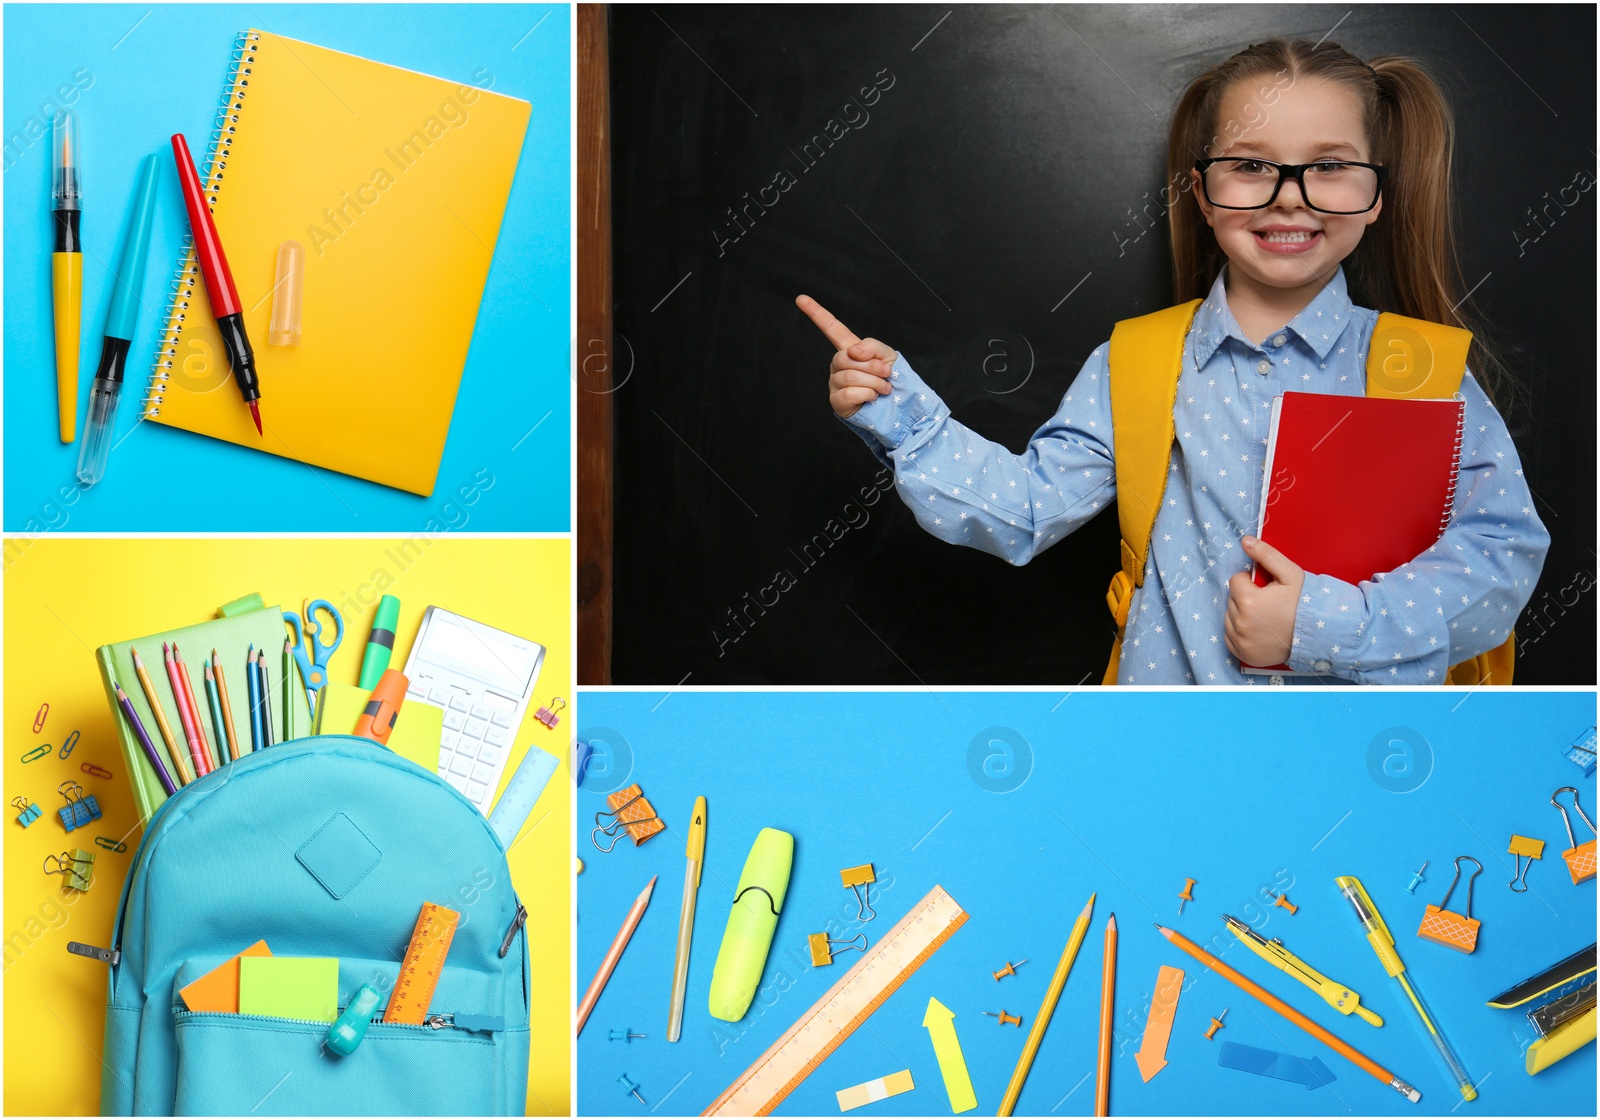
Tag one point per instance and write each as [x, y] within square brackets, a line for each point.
[63, 598]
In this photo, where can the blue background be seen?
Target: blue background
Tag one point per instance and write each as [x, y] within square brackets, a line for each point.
[166, 76]
[1128, 794]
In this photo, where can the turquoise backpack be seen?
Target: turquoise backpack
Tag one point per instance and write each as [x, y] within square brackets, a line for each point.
[324, 847]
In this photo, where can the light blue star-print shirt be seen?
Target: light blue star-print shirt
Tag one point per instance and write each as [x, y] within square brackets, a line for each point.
[1408, 626]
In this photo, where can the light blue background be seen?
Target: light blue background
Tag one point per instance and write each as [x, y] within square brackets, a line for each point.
[165, 75]
[1129, 793]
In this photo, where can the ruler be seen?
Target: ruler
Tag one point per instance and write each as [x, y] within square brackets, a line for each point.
[419, 972]
[848, 1004]
[511, 811]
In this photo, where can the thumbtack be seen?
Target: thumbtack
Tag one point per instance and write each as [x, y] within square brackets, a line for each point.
[632, 1087]
[1187, 894]
[1014, 1020]
[1216, 1024]
[1010, 969]
[624, 1035]
[1416, 877]
[1283, 901]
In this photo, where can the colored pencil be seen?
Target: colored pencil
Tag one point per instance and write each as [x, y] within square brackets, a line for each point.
[204, 744]
[191, 741]
[1047, 1008]
[150, 751]
[614, 954]
[1289, 1013]
[179, 760]
[227, 708]
[289, 729]
[266, 698]
[214, 704]
[1108, 1000]
[253, 686]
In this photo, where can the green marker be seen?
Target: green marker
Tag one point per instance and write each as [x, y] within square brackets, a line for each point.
[757, 901]
[380, 643]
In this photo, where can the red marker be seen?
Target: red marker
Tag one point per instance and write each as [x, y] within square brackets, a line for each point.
[219, 280]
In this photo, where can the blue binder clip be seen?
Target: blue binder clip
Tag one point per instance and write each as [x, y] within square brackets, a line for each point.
[1581, 752]
[29, 811]
[80, 808]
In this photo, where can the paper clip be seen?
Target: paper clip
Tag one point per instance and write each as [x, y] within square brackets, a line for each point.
[1447, 928]
[95, 771]
[38, 720]
[1579, 857]
[857, 879]
[29, 811]
[37, 753]
[631, 810]
[1523, 846]
[75, 868]
[80, 809]
[548, 716]
[111, 845]
[822, 947]
[66, 747]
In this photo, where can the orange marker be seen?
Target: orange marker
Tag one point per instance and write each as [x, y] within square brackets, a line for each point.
[378, 717]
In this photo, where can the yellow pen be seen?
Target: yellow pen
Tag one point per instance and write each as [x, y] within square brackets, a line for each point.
[66, 267]
[696, 852]
[1336, 995]
[1382, 942]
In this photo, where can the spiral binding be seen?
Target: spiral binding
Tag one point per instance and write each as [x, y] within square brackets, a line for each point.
[181, 288]
[1455, 465]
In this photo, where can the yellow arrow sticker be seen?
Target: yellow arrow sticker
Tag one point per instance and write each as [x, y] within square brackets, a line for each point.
[1152, 1055]
[940, 1021]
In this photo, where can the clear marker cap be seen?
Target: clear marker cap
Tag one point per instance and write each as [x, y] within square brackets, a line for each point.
[283, 329]
[64, 190]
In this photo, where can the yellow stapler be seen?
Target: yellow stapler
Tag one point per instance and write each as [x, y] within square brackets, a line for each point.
[1565, 1016]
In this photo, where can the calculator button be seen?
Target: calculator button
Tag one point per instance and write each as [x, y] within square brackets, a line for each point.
[417, 694]
[461, 764]
[479, 712]
[457, 780]
[501, 719]
[455, 721]
[447, 742]
[459, 702]
[478, 793]
[482, 772]
[488, 754]
[496, 736]
[438, 696]
[476, 728]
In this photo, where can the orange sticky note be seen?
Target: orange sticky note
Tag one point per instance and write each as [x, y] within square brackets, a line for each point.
[218, 990]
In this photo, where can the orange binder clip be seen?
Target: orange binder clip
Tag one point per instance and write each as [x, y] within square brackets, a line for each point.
[630, 810]
[1579, 857]
[1447, 928]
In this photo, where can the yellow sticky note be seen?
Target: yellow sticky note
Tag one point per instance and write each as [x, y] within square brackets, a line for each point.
[290, 987]
[218, 990]
[416, 733]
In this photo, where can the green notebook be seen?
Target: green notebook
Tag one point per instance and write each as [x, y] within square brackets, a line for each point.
[231, 638]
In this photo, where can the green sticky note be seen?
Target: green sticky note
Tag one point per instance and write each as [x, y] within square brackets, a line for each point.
[290, 987]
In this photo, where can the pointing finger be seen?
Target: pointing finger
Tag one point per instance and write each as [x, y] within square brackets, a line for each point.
[837, 333]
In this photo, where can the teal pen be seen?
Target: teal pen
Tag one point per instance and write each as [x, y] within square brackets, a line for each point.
[1382, 942]
[121, 319]
[214, 702]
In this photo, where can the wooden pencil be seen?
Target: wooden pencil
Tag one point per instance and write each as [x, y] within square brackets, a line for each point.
[201, 747]
[227, 708]
[1108, 1001]
[180, 761]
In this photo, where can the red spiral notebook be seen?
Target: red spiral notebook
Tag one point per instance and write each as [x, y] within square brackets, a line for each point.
[1357, 486]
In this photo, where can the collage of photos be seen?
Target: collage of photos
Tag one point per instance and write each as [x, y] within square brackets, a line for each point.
[536, 577]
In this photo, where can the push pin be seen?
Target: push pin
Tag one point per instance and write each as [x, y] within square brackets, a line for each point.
[1523, 846]
[1014, 1020]
[1010, 969]
[625, 1034]
[1283, 901]
[1187, 894]
[1416, 877]
[29, 811]
[549, 716]
[1216, 1024]
[632, 1087]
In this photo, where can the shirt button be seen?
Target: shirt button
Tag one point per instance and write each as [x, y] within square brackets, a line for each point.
[1322, 666]
[1278, 340]
[1263, 366]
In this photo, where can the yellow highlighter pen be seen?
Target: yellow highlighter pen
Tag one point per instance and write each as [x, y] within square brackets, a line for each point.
[1382, 942]
[66, 267]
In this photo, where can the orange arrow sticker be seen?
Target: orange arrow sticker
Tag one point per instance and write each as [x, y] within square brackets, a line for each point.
[1152, 1055]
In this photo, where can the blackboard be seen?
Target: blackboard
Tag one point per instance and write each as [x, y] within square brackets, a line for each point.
[981, 206]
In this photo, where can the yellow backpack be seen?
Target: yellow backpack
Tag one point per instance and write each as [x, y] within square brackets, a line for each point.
[1408, 358]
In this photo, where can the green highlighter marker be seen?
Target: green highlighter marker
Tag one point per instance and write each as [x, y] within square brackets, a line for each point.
[380, 643]
[756, 904]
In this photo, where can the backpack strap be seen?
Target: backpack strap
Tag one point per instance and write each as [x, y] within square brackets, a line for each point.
[1146, 361]
[1415, 358]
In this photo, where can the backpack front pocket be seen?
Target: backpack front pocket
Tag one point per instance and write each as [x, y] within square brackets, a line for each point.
[244, 1065]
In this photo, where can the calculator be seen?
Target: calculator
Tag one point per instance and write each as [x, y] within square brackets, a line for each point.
[483, 679]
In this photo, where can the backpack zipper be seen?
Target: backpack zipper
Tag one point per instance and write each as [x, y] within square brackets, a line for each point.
[478, 1024]
[517, 921]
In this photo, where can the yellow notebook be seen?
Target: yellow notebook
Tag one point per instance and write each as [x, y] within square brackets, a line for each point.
[395, 184]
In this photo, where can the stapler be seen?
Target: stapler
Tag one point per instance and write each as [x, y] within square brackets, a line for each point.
[1565, 1015]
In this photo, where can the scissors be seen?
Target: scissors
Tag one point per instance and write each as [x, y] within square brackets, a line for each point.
[311, 653]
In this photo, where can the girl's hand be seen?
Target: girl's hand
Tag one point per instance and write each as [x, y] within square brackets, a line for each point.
[860, 370]
[1259, 625]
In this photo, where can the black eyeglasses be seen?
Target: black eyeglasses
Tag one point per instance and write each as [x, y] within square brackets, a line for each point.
[1328, 186]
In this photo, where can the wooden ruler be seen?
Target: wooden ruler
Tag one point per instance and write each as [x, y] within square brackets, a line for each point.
[848, 1004]
[419, 972]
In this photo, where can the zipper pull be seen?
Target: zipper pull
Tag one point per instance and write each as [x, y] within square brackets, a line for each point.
[516, 924]
[487, 1024]
[109, 956]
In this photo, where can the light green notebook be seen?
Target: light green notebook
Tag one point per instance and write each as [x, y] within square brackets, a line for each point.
[231, 638]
